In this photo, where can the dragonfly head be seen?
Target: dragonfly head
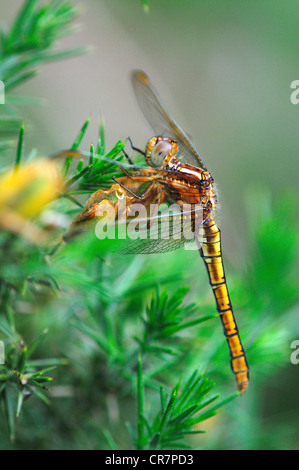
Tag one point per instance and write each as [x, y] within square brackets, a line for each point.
[158, 149]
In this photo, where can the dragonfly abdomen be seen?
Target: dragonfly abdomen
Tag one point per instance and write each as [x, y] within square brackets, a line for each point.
[212, 256]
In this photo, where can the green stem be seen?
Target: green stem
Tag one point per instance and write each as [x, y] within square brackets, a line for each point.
[140, 397]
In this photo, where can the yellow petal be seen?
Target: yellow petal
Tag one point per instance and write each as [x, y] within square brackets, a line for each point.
[28, 188]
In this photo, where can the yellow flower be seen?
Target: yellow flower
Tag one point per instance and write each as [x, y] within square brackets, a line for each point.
[29, 187]
[24, 191]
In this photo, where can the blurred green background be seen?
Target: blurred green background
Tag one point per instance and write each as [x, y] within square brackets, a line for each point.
[224, 69]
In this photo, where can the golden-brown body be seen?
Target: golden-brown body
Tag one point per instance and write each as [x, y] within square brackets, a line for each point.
[176, 174]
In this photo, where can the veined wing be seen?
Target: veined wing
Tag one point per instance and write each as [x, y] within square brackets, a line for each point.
[165, 232]
[161, 120]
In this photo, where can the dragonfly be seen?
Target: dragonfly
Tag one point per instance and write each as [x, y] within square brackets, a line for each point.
[175, 174]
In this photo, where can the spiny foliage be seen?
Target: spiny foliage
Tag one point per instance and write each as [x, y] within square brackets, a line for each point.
[45, 274]
[180, 412]
[119, 340]
[30, 42]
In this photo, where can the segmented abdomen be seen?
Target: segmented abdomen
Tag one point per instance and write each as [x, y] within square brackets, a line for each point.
[212, 256]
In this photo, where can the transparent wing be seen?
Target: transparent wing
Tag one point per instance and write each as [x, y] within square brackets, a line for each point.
[166, 232]
[161, 120]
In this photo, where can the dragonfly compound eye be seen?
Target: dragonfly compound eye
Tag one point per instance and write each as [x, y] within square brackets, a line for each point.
[159, 152]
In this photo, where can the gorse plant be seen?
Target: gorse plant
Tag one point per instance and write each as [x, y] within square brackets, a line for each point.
[107, 309]
[32, 39]
[25, 276]
[133, 342]
[179, 413]
[30, 42]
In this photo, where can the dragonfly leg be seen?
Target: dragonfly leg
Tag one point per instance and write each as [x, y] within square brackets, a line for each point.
[127, 157]
[126, 188]
[122, 169]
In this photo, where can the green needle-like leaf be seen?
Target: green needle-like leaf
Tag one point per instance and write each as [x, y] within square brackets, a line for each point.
[20, 147]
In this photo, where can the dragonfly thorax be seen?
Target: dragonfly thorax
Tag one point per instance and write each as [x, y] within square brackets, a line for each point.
[190, 184]
[159, 150]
